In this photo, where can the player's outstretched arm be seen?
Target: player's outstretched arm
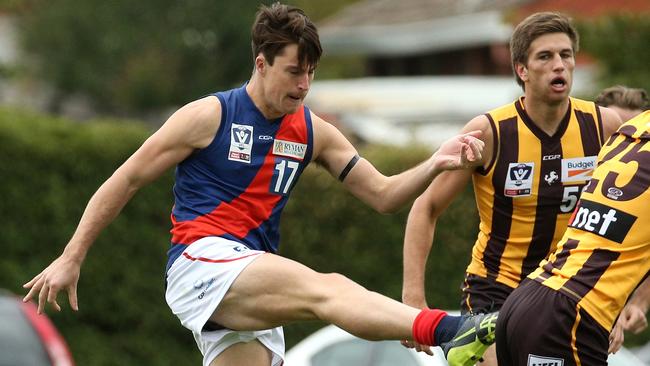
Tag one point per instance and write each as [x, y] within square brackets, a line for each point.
[422, 219]
[193, 126]
[387, 194]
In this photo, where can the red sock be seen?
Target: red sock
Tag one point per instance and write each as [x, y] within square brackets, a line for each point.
[425, 324]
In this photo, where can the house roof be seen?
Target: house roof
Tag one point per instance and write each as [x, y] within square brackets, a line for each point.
[388, 27]
[391, 12]
[411, 27]
[582, 9]
[422, 109]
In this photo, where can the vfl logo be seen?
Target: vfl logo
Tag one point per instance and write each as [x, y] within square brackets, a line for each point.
[519, 179]
[520, 173]
[241, 143]
[551, 177]
[241, 136]
[534, 360]
[602, 220]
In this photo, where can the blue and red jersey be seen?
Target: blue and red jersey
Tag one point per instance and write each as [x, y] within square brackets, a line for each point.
[237, 186]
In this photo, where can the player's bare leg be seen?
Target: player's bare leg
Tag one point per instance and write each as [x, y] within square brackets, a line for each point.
[274, 291]
[252, 353]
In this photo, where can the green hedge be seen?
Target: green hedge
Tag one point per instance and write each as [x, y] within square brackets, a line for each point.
[50, 169]
[52, 166]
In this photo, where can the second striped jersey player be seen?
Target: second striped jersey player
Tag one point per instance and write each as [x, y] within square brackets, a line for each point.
[540, 151]
[527, 193]
[578, 293]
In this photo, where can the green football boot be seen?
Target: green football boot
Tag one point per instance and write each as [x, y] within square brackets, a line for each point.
[475, 334]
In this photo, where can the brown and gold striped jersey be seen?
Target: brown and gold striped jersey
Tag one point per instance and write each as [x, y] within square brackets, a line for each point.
[526, 196]
[605, 252]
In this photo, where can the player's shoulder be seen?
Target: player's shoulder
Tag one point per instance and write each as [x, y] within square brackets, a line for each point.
[206, 109]
[196, 122]
[480, 123]
[611, 120]
[504, 112]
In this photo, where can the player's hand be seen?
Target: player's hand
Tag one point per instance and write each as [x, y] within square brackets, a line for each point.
[417, 346]
[62, 274]
[461, 152]
[411, 343]
[633, 318]
[616, 337]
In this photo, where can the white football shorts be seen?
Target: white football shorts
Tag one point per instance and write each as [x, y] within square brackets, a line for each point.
[198, 280]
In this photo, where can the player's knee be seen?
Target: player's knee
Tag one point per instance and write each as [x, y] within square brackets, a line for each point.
[334, 289]
[336, 284]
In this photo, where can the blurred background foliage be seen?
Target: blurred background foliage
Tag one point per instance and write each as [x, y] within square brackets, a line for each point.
[621, 44]
[57, 164]
[131, 56]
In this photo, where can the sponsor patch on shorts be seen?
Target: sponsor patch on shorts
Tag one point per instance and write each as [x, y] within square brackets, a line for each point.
[534, 360]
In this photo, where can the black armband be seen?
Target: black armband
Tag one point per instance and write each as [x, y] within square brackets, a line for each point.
[349, 167]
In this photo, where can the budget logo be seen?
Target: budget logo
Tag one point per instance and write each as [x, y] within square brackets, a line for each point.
[602, 220]
[578, 169]
[534, 360]
[519, 179]
[241, 143]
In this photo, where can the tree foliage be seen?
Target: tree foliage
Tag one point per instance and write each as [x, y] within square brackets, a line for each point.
[620, 45]
[130, 55]
[141, 55]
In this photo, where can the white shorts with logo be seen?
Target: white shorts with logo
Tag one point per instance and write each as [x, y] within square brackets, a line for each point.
[198, 280]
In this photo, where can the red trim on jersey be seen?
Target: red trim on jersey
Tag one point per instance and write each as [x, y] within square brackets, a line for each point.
[208, 260]
[251, 208]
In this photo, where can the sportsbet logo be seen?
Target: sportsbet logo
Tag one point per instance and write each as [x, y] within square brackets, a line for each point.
[578, 169]
[602, 220]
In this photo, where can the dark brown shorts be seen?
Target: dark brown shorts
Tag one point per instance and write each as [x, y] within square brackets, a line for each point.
[540, 326]
[482, 295]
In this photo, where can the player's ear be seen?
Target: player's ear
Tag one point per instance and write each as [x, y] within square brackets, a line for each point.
[522, 71]
[260, 64]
